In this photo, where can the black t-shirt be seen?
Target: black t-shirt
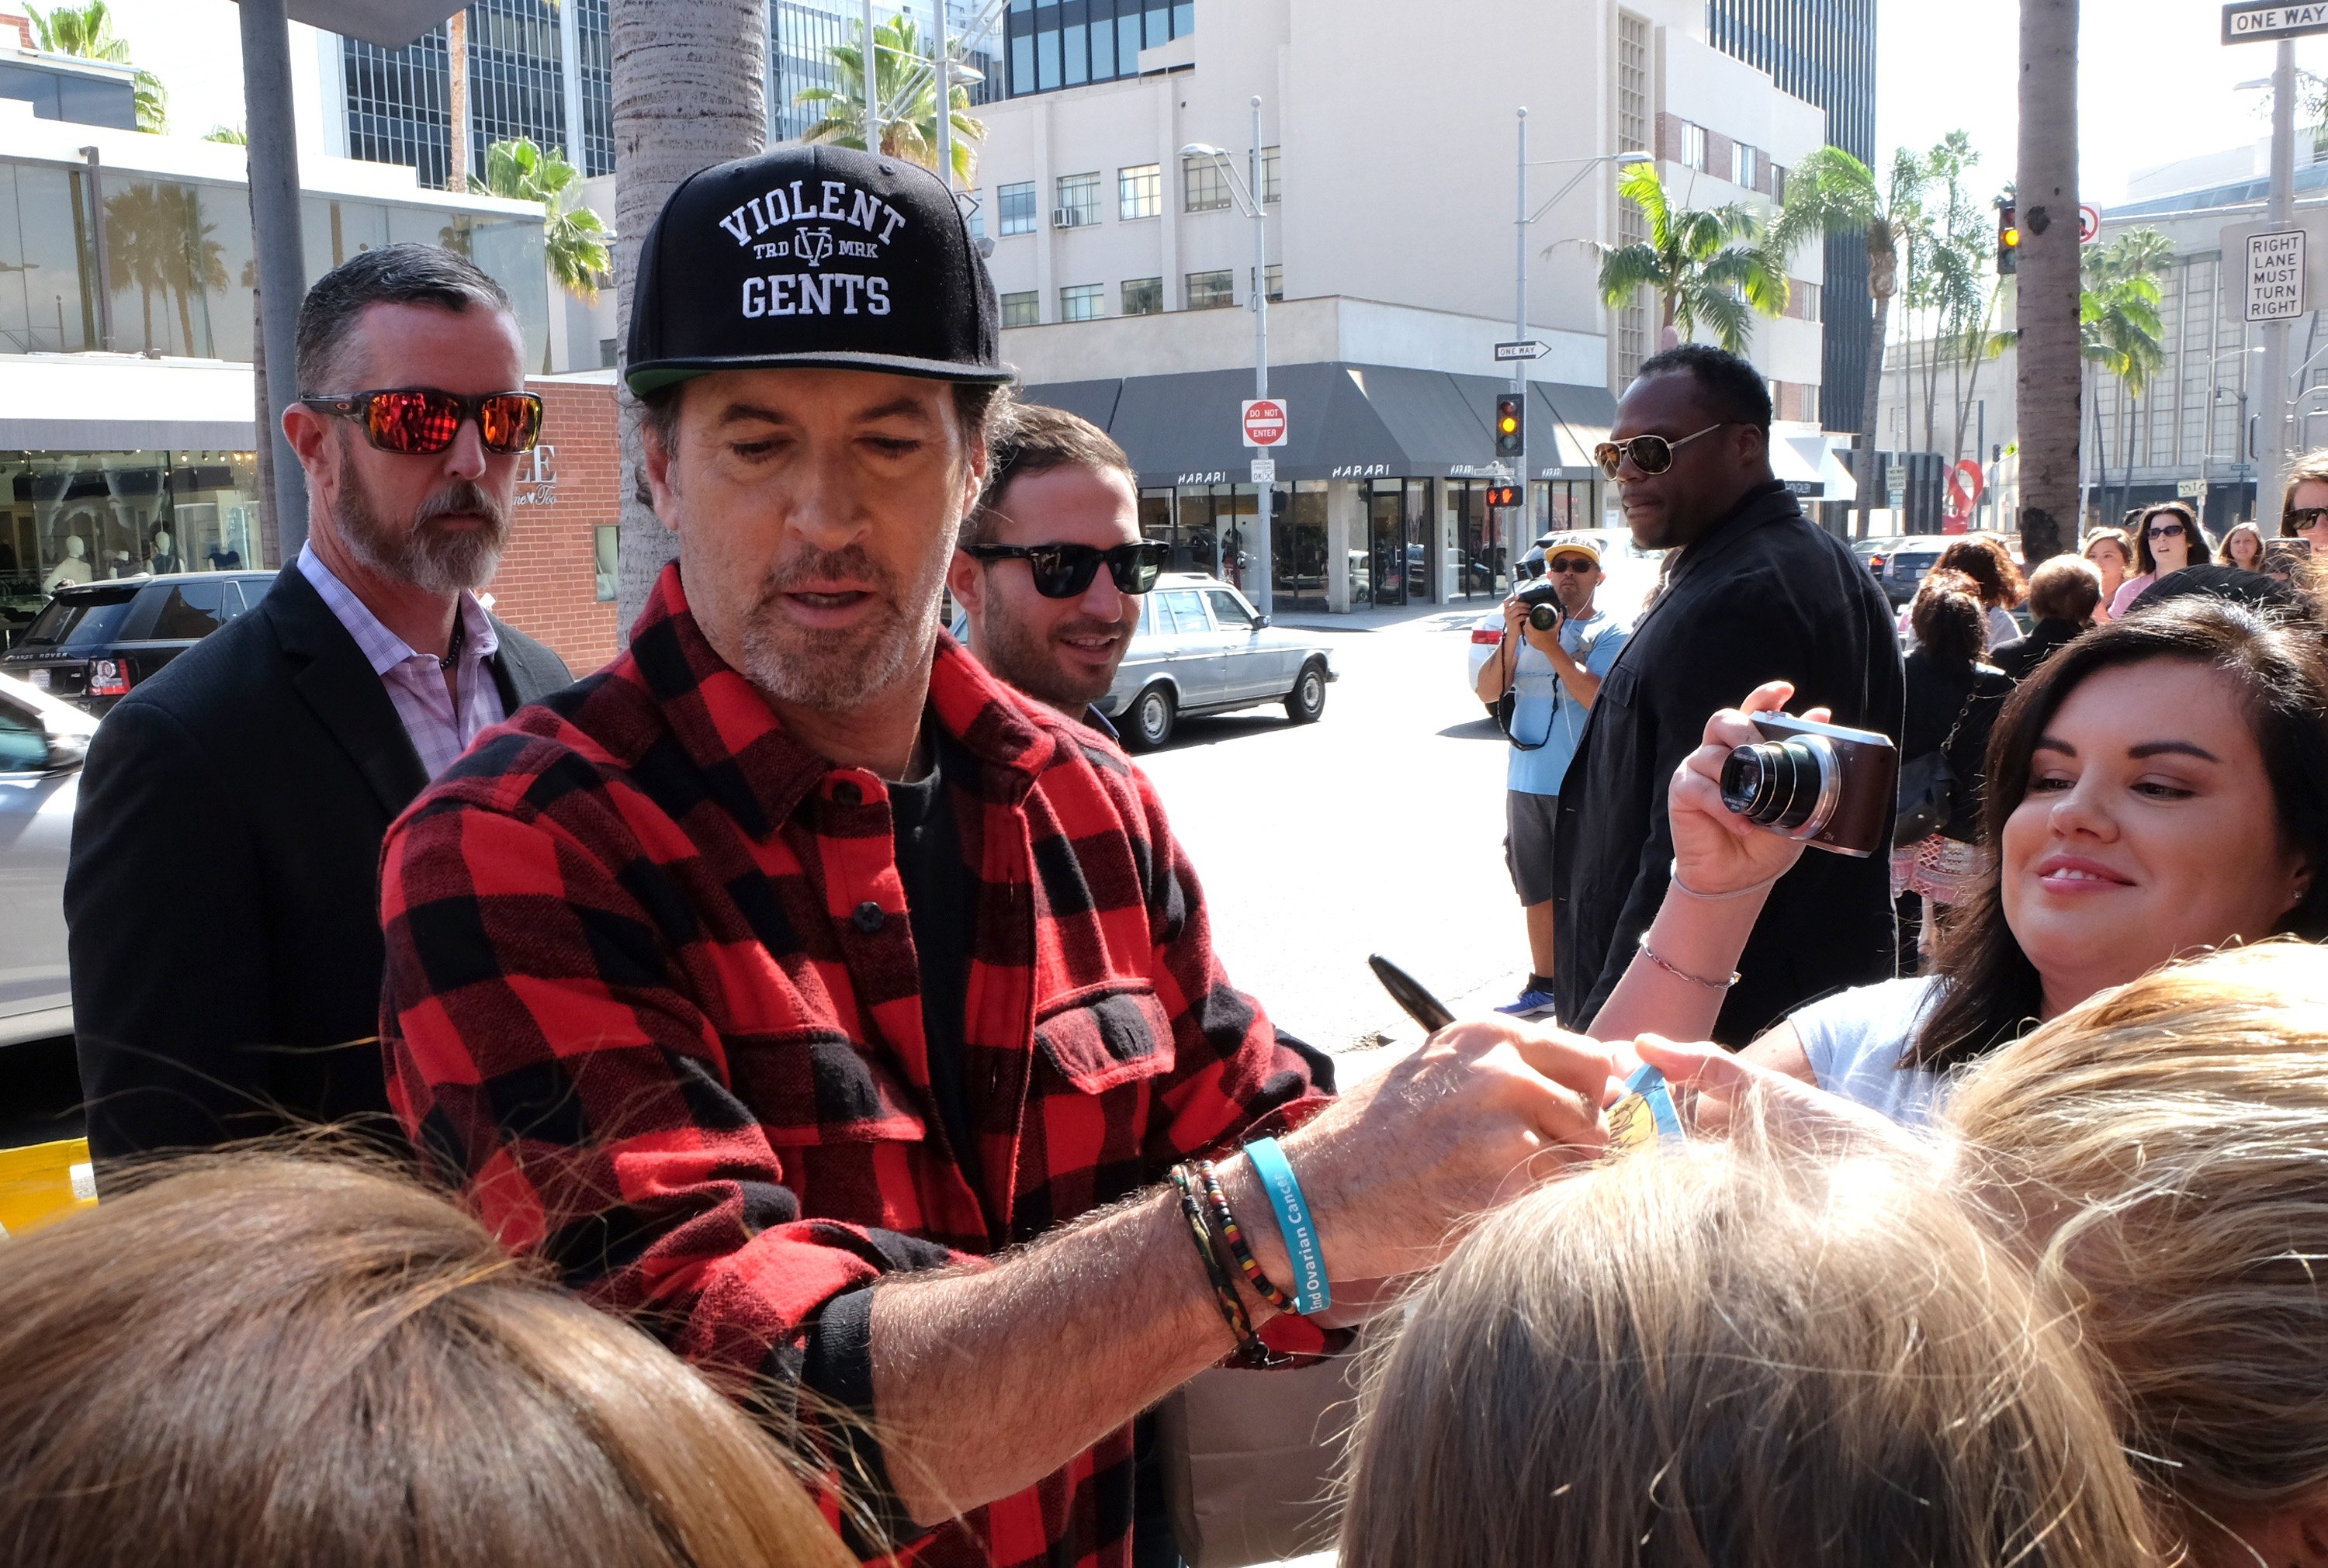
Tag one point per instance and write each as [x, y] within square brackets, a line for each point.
[940, 892]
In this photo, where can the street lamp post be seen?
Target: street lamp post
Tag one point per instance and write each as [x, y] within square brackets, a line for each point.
[1249, 197]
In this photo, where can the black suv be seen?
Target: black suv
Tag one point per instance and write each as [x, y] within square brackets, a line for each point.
[94, 641]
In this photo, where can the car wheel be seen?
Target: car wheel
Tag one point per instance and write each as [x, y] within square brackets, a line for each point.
[1307, 701]
[1152, 718]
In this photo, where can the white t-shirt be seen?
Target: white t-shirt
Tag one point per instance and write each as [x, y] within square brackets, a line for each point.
[1854, 1040]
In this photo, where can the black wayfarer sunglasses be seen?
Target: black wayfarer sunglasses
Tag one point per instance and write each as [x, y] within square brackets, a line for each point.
[419, 421]
[1061, 571]
[1652, 454]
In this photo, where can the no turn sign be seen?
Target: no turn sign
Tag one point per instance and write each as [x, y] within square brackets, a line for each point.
[1264, 422]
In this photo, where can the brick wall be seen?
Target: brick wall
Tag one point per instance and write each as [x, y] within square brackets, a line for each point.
[547, 587]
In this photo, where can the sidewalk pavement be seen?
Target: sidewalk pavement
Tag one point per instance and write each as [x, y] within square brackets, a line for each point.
[1458, 616]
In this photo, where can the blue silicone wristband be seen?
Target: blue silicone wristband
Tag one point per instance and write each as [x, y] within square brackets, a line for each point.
[1310, 1289]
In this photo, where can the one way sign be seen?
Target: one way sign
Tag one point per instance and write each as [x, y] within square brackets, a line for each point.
[2246, 24]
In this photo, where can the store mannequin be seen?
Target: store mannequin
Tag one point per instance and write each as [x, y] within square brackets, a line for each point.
[163, 556]
[74, 567]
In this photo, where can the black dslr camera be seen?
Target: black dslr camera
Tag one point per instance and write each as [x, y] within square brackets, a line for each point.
[1543, 600]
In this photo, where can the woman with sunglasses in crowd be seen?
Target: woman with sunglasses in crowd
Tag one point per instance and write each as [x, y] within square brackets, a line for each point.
[2165, 539]
[2112, 557]
[2242, 548]
[2157, 787]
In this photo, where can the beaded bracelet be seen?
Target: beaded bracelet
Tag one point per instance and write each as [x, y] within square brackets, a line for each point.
[1238, 1249]
[1249, 1351]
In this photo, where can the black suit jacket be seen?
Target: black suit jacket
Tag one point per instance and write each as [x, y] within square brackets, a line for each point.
[223, 893]
[2019, 658]
[1765, 595]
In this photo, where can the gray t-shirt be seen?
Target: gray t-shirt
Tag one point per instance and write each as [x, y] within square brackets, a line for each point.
[1854, 1040]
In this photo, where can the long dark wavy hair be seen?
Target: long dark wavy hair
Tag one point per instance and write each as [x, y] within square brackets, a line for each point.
[1990, 991]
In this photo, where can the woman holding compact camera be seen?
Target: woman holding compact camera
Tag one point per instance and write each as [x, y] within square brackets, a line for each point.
[2126, 781]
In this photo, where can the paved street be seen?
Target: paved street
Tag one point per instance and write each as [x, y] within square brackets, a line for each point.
[1377, 829]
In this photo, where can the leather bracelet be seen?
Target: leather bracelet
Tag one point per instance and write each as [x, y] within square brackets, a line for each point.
[1250, 1350]
[1652, 954]
[1234, 1236]
[1673, 876]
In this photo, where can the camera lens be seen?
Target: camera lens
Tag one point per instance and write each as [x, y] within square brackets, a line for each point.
[1785, 785]
[1543, 618]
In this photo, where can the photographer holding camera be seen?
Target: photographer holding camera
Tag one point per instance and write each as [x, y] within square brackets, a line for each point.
[1541, 681]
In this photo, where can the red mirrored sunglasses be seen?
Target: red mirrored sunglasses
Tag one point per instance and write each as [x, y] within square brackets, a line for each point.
[420, 420]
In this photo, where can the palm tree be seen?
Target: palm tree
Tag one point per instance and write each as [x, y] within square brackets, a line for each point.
[86, 32]
[1831, 193]
[2121, 331]
[2048, 307]
[909, 128]
[574, 237]
[1709, 267]
[137, 247]
[689, 91]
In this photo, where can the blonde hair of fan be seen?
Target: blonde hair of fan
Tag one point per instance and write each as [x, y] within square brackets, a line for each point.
[1723, 1355]
[262, 1361]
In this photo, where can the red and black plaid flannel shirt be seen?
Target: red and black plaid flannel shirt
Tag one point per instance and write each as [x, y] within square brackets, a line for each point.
[652, 992]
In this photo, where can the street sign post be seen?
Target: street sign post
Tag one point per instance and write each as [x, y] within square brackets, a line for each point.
[1264, 471]
[1264, 421]
[2247, 24]
[1524, 348]
[2274, 275]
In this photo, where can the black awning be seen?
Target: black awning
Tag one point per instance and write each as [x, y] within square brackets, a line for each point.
[1343, 421]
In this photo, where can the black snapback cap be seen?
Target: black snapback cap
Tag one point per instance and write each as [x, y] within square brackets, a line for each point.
[812, 256]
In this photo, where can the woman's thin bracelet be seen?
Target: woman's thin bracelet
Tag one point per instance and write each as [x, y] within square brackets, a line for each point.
[1652, 954]
[1673, 874]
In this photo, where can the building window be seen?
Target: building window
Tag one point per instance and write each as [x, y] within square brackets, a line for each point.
[973, 217]
[1017, 205]
[1078, 205]
[1272, 189]
[1139, 191]
[609, 353]
[1779, 183]
[1745, 164]
[1084, 302]
[1204, 186]
[1632, 327]
[1275, 278]
[1806, 300]
[1143, 296]
[1692, 147]
[1212, 290]
[1051, 46]
[1022, 309]
[606, 552]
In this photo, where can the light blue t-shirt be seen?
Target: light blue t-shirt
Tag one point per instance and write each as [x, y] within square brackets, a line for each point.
[1547, 710]
[1854, 1040]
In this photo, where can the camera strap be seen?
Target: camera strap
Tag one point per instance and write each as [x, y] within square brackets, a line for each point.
[1506, 716]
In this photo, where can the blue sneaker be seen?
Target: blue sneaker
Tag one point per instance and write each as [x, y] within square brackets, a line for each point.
[1530, 1003]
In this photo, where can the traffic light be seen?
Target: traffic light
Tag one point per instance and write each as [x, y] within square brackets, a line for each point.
[2008, 240]
[1511, 425]
[1503, 495]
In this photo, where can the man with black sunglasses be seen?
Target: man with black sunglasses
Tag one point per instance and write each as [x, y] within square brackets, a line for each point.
[223, 892]
[1050, 568]
[1754, 591]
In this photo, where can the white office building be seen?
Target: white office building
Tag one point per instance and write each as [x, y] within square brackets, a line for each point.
[1387, 175]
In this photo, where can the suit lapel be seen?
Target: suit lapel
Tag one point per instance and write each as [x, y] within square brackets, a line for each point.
[337, 682]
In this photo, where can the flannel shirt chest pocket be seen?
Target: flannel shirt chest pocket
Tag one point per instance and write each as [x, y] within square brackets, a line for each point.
[1102, 1037]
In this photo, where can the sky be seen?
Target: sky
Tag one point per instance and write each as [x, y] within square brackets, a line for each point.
[2154, 84]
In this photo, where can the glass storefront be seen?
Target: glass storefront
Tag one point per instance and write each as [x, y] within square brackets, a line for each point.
[178, 269]
[1297, 544]
[78, 517]
[1481, 556]
[1560, 505]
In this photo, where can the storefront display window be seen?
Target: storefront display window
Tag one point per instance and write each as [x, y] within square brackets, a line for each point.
[89, 516]
[1297, 545]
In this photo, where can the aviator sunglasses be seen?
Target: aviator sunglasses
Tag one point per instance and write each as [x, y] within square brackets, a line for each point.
[1061, 571]
[2303, 517]
[417, 421]
[1652, 454]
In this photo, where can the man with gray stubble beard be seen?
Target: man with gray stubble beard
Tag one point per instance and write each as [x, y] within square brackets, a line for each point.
[222, 896]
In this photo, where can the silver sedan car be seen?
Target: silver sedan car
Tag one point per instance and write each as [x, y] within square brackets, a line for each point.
[41, 744]
[1201, 648]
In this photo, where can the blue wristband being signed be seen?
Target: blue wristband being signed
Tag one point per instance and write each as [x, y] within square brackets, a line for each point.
[1310, 1291]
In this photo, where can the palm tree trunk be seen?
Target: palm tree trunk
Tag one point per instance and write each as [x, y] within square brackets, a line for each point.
[2047, 181]
[456, 98]
[689, 91]
[1870, 405]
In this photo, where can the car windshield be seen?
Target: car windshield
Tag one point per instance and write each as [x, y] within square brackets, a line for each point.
[79, 620]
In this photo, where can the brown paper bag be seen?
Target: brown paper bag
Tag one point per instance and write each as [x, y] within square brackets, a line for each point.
[1250, 1460]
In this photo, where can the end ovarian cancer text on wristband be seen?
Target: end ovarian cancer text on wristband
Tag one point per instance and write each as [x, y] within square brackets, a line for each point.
[1313, 1293]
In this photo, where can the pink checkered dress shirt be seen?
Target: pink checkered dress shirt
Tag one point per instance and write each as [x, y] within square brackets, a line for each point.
[441, 728]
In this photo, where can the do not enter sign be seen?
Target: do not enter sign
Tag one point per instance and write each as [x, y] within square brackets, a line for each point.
[1264, 422]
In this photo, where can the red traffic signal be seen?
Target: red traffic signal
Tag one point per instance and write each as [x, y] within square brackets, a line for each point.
[2008, 240]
